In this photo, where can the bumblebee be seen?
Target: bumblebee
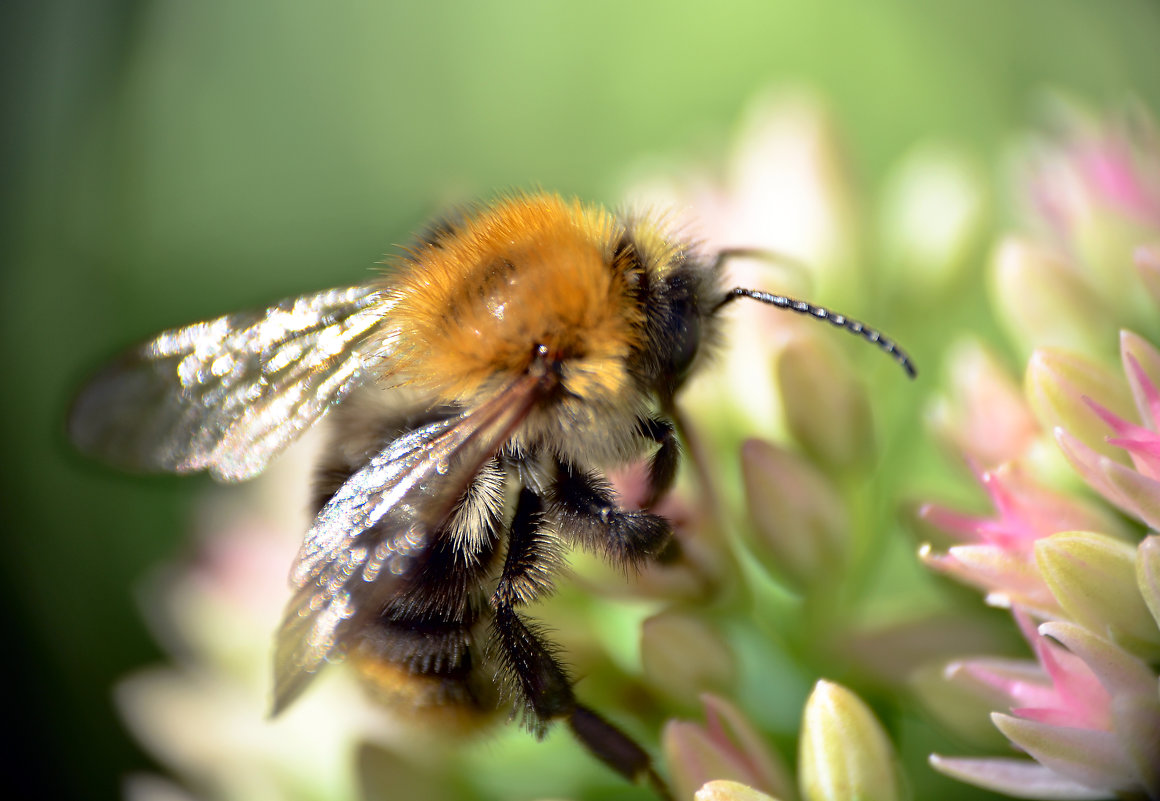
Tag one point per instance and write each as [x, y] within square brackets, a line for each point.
[479, 390]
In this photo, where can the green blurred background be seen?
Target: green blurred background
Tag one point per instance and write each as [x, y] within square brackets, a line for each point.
[167, 160]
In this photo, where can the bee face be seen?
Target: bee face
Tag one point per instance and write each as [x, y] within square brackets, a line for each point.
[480, 388]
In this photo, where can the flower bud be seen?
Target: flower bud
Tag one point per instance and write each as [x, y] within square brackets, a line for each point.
[800, 523]
[1093, 576]
[730, 791]
[1148, 574]
[826, 406]
[1043, 303]
[726, 747]
[1057, 384]
[844, 752]
[1096, 184]
[683, 657]
[986, 416]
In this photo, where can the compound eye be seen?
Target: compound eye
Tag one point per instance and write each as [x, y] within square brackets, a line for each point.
[686, 333]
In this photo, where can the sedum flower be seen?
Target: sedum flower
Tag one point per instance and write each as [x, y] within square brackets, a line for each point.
[206, 717]
[1086, 711]
[996, 553]
[1092, 191]
[786, 190]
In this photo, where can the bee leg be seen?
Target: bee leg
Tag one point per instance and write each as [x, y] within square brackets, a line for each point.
[531, 670]
[616, 749]
[585, 510]
[528, 661]
[662, 468]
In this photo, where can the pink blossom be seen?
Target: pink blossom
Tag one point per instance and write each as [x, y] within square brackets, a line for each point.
[1086, 711]
[996, 553]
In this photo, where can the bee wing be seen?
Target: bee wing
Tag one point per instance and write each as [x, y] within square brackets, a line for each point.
[225, 395]
[377, 527]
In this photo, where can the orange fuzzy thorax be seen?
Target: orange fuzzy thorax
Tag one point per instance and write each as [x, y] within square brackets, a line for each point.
[467, 312]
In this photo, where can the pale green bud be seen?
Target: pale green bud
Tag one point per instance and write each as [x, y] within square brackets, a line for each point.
[1093, 577]
[826, 406]
[799, 520]
[844, 752]
[1148, 574]
[683, 656]
[1057, 383]
[730, 791]
[1043, 303]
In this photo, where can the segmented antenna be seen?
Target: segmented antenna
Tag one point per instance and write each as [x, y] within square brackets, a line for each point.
[840, 320]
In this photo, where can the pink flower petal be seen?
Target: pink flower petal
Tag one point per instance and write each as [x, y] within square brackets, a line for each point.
[1114, 421]
[1078, 693]
[1117, 670]
[1145, 453]
[1142, 444]
[967, 526]
[1019, 778]
[1089, 464]
[1144, 391]
[1008, 578]
[1052, 716]
[1138, 493]
[1092, 758]
[1035, 691]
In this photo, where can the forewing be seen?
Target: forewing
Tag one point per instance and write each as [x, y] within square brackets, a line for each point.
[225, 395]
[376, 529]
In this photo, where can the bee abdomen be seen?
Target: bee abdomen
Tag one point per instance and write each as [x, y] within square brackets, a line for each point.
[431, 670]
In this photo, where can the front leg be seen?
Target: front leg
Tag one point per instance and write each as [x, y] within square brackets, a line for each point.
[585, 511]
[662, 468]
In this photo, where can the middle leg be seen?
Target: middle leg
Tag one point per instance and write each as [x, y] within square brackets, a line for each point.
[532, 673]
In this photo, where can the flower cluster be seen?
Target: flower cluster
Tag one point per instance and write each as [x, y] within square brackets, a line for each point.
[1079, 582]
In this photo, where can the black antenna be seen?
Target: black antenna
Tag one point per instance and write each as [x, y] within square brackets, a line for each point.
[840, 320]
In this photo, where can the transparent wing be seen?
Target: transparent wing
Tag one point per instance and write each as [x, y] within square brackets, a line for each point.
[372, 534]
[225, 395]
